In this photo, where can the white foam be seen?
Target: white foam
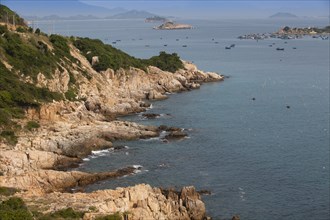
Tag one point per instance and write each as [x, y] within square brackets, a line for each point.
[100, 153]
[137, 166]
[86, 159]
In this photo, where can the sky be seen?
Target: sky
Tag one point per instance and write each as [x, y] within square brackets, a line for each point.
[222, 8]
[177, 8]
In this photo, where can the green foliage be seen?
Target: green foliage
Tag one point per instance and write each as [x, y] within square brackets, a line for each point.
[21, 29]
[110, 57]
[3, 29]
[37, 31]
[71, 94]
[68, 213]
[15, 96]
[30, 125]
[14, 209]
[9, 136]
[166, 62]
[7, 15]
[115, 216]
[26, 56]
[6, 191]
[60, 44]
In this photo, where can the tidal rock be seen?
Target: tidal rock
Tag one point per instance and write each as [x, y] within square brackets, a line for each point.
[176, 135]
[150, 115]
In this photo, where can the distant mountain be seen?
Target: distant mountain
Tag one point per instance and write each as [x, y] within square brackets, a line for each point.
[59, 8]
[133, 14]
[283, 15]
[57, 18]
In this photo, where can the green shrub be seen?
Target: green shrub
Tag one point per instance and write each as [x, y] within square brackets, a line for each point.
[9, 136]
[71, 94]
[7, 191]
[115, 216]
[166, 62]
[37, 31]
[30, 125]
[68, 213]
[14, 209]
[21, 29]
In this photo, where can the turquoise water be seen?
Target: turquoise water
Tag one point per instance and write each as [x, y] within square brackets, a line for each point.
[260, 159]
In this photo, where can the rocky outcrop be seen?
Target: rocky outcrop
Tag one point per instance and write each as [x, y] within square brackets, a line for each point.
[138, 202]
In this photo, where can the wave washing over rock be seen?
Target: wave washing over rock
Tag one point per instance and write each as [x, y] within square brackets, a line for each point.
[70, 131]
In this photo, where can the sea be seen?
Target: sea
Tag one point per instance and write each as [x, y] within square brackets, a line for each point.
[259, 140]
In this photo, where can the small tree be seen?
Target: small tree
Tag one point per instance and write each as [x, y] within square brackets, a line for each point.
[37, 31]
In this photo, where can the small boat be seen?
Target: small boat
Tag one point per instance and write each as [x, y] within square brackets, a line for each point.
[294, 48]
[280, 48]
[227, 48]
[114, 42]
[232, 45]
[184, 45]
[165, 45]
[216, 42]
[270, 45]
[147, 45]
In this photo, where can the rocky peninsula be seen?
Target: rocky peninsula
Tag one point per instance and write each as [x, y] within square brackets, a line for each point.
[173, 26]
[66, 106]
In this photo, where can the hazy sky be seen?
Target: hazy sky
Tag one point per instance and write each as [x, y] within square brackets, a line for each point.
[177, 8]
[222, 8]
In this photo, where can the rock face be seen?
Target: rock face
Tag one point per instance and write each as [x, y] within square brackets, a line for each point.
[70, 130]
[140, 202]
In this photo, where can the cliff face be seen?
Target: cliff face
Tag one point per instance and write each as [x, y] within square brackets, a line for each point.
[82, 121]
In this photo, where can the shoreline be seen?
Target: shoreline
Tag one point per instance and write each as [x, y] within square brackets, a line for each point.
[70, 131]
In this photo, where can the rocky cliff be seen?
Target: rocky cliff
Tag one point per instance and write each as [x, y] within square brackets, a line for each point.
[84, 119]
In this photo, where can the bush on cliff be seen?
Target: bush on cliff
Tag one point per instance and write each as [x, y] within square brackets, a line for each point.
[166, 62]
[14, 209]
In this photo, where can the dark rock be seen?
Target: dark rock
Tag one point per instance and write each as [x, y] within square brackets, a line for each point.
[145, 104]
[253, 98]
[120, 147]
[176, 135]
[166, 128]
[204, 192]
[235, 217]
[150, 115]
[288, 106]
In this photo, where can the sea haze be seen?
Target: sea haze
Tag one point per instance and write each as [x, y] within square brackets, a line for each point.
[266, 158]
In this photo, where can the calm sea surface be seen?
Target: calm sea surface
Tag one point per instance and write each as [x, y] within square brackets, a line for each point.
[260, 159]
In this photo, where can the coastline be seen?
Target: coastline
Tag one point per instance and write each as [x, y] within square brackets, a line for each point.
[70, 130]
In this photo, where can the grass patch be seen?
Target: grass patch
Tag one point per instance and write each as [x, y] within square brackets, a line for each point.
[31, 125]
[115, 216]
[68, 213]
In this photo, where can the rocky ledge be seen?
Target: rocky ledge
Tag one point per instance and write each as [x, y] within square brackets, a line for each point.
[70, 130]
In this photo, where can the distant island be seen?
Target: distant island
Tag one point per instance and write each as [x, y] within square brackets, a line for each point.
[283, 15]
[173, 26]
[291, 33]
[156, 19]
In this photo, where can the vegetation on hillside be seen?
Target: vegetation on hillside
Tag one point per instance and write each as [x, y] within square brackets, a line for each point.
[8, 16]
[110, 57]
[25, 53]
